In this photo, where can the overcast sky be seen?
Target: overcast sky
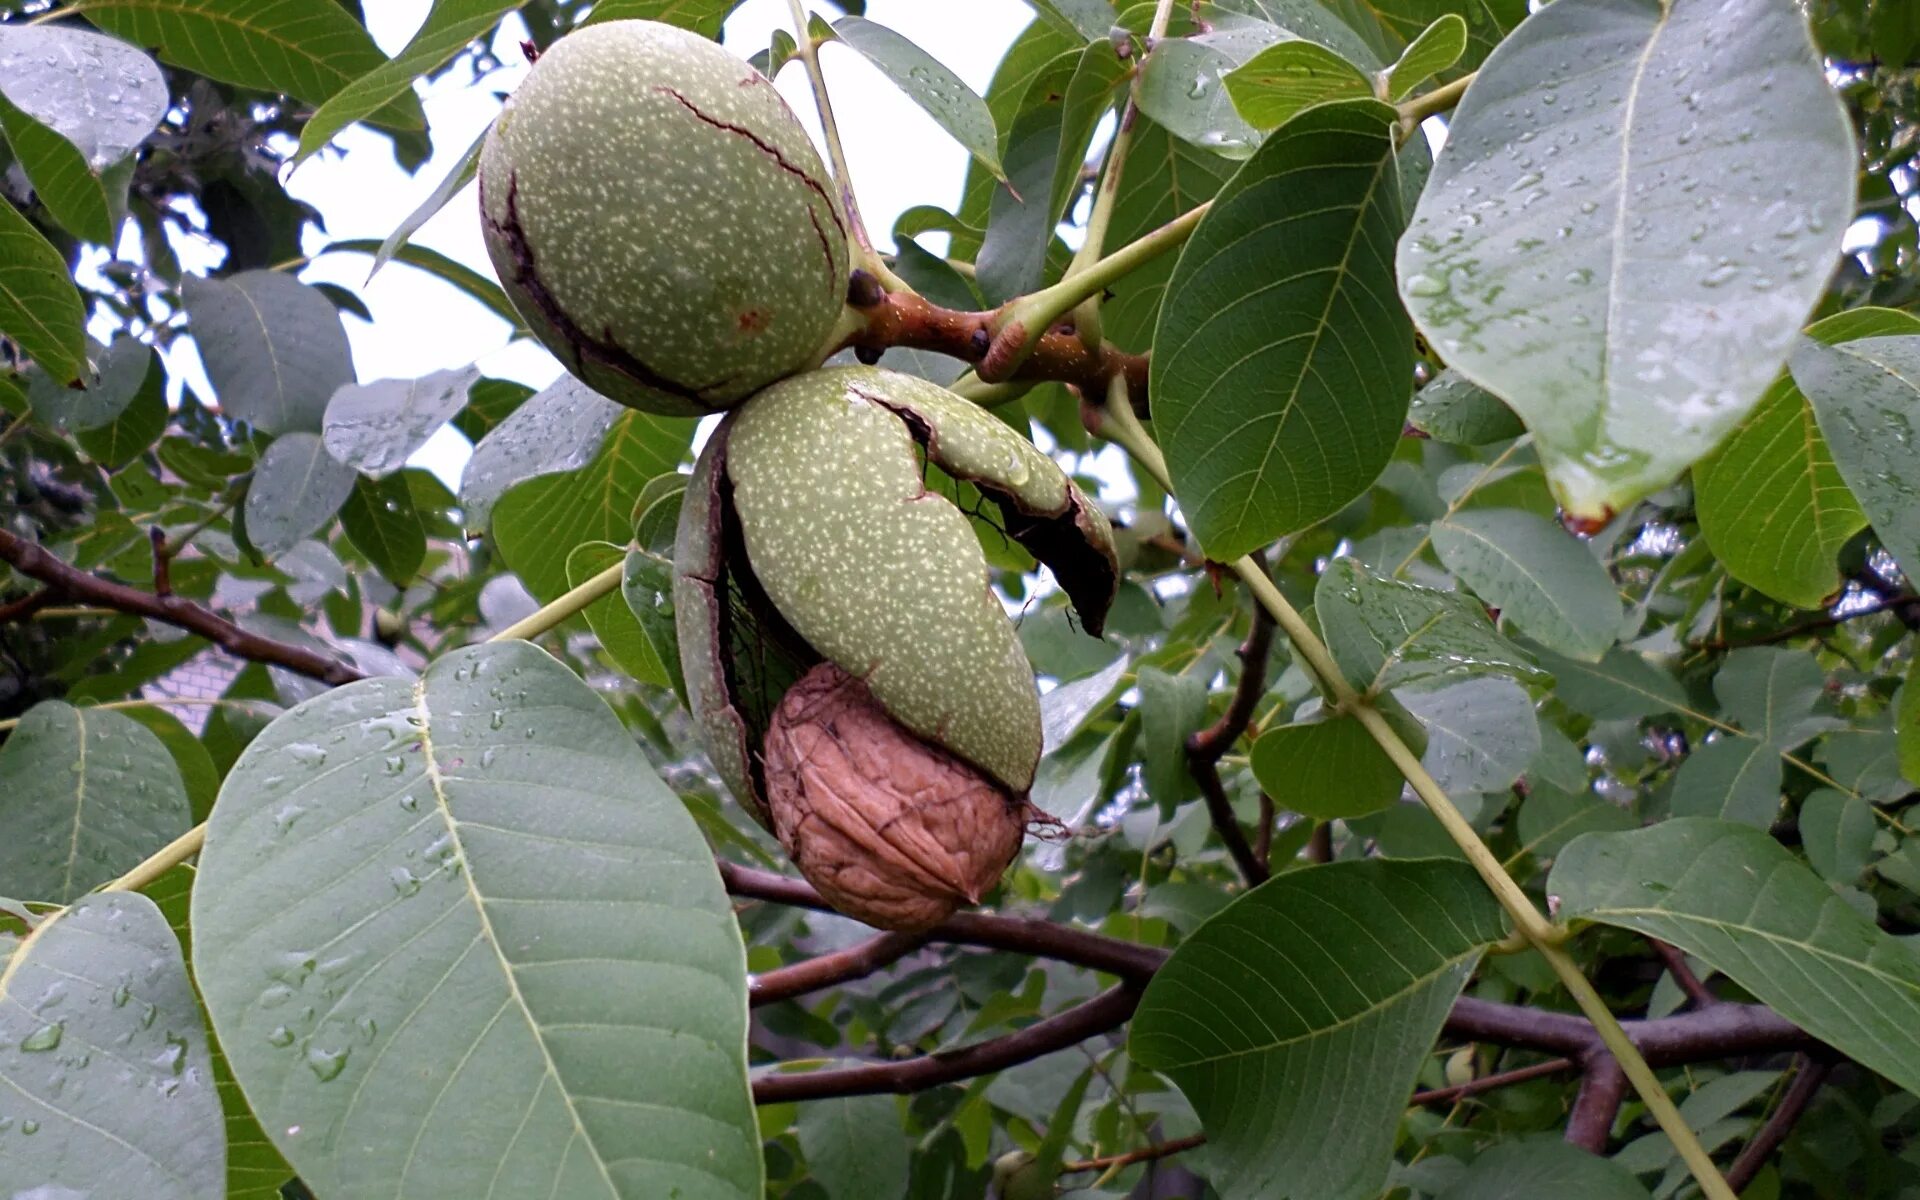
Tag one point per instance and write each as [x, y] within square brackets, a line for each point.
[898, 156]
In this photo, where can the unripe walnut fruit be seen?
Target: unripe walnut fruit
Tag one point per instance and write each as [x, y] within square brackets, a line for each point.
[820, 558]
[661, 220]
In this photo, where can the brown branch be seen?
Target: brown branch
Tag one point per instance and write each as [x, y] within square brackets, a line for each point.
[1129, 961]
[1724, 1030]
[162, 563]
[1158, 1150]
[31, 560]
[828, 970]
[901, 319]
[1900, 605]
[1676, 962]
[27, 605]
[1109, 1010]
[1263, 833]
[1813, 1072]
[1206, 746]
[1488, 1083]
[1603, 1088]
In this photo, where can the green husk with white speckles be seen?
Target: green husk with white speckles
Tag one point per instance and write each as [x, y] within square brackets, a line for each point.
[661, 220]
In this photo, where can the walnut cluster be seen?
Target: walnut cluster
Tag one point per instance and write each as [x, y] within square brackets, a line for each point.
[892, 831]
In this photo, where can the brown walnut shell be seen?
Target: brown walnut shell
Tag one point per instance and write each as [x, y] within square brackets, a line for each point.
[891, 830]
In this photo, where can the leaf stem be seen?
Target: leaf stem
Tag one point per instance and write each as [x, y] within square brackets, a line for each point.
[550, 615]
[1022, 322]
[1121, 426]
[864, 256]
[1439, 100]
[161, 861]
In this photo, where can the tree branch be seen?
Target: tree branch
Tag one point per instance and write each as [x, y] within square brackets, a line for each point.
[27, 605]
[33, 561]
[1900, 605]
[904, 319]
[1109, 1010]
[1603, 1088]
[1206, 746]
[829, 970]
[1158, 1150]
[1813, 1072]
[1130, 961]
[1488, 1083]
[1676, 963]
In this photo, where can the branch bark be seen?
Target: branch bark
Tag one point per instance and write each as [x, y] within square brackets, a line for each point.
[1205, 747]
[1109, 1010]
[829, 970]
[1800, 1093]
[1603, 1088]
[31, 560]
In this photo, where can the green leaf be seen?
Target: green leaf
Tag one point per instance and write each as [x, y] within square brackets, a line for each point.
[648, 591]
[538, 523]
[122, 367]
[379, 518]
[39, 306]
[109, 1088]
[1297, 1017]
[1771, 692]
[1488, 22]
[1836, 831]
[1326, 769]
[274, 348]
[560, 428]
[489, 402]
[197, 774]
[1481, 734]
[1550, 818]
[304, 49]
[1772, 503]
[135, 429]
[1183, 89]
[73, 105]
[255, 1170]
[854, 1145]
[1541, 578]
[426, 934]
[1385, 633]
[1453, 409]
[1278, 83]
[1907, 722]
[375, 427]
[1172, 708]
[296, 490]
[1033, 53]
[929, 84]
[1734, 778]
[1045, 148]
[616, 625]
[1735, 898]
[1164, 178]
[1557, 256]
[453, 184]
[1281, 367]
[440, 266]
[87, 794]
[1543, 1166]
[449, 27]
[1622, 686]
[1865, 394]
[1439, 46]
[702, 16]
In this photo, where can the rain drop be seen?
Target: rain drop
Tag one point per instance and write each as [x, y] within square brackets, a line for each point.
[47, 1037]
[326, 1064]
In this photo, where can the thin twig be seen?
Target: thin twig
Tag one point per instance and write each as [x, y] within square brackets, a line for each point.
[31, 560]
[1109, 1010]
[1677, 966]
[27, 605]
[1205, 747]
[1812, 1072]
[1158, 1150]
[831, 970]
[1893, 604]
[1488, 1083]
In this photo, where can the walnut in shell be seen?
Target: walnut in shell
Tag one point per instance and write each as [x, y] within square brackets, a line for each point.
[892, 831]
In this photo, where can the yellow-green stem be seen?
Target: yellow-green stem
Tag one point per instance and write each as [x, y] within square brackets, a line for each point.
[161, 861]
[1437, 101]
[864, 256]
[1123, 427]
[550, 615]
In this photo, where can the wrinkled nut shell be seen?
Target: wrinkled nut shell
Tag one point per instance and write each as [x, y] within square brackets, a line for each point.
[892, 831]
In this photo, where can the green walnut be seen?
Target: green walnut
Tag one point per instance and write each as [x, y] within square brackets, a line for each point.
[858, 684]
[661, 220]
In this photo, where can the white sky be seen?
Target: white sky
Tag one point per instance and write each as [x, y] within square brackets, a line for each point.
[898, 156]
